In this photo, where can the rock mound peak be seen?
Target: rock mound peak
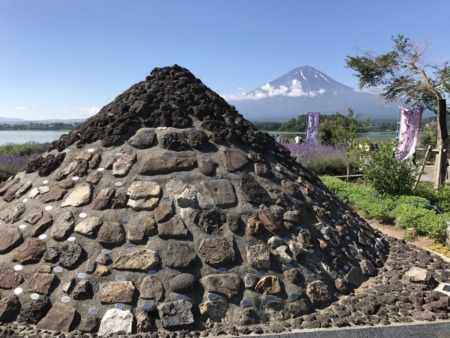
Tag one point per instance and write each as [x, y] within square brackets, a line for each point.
[169, 210]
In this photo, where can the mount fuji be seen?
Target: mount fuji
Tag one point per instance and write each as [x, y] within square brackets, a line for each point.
[306, 89]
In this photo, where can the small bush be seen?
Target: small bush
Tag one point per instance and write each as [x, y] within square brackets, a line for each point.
[386, 174]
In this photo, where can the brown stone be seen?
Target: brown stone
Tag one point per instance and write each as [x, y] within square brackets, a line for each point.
[4, 186]
[42, 283]
[152, 288]
[31, 251]
[61, 317]
[180, 255]
[55, 194]
[182, 161]
[139, 228]
[117, 292]
[63, 226]
[42, 225]
[94, 177]
[10, 279]
[34, 217]
[10, 238]
[143, 195]
[123, 164]
[254, 226]
[111, 234]
[228, 284]
[234, 159]
[269, 285]
[103, 199]
[141, 260]
[217, 251]
[318, 292]
[205, 166]
[270, 220]
[183, 283]
[164, 211]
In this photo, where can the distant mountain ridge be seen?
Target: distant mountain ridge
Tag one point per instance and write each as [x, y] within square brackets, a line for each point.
[306, 89]
[8, 120]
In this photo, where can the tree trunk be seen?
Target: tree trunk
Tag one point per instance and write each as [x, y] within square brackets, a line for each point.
[442, 141]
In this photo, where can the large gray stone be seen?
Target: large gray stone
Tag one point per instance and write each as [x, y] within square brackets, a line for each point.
[183, 283]
[143, 139]
[221, 193]
[63, 226]
[175, 313]
[71, 255]
[180, 255]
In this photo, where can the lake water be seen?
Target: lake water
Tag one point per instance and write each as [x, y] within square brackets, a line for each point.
[26, 136]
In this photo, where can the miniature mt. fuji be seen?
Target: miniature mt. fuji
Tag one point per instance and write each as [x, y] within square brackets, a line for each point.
[305, 89]
[169, 211]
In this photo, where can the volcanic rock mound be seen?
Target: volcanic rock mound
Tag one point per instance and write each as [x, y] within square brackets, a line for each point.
[168, 210]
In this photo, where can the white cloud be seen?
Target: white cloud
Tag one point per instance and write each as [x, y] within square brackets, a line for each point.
[293, 90]
[90, 110]
[22, 108]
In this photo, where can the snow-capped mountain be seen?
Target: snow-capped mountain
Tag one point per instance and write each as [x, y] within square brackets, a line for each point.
[306, 89]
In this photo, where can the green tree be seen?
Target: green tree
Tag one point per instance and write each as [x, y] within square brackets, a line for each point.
[403, 74]
[297, 124]
[342, 130]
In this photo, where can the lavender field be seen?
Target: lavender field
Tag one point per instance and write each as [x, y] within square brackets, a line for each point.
[320, 158]
[13, 157]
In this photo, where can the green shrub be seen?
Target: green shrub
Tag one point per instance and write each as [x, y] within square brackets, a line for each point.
[386, 174]
[414, 214]
[420, 219]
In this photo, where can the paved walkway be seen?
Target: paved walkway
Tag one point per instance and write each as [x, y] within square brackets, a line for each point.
[428, 330]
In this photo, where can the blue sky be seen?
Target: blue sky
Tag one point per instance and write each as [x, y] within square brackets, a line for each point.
[67, 59]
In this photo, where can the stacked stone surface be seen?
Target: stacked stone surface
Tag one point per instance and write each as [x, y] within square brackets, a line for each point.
[168, 210]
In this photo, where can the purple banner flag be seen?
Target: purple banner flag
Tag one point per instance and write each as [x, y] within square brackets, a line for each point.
[408, 132]
[312, 132]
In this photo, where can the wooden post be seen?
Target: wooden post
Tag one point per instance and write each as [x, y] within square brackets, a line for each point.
[438, 168]
[423, 166]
